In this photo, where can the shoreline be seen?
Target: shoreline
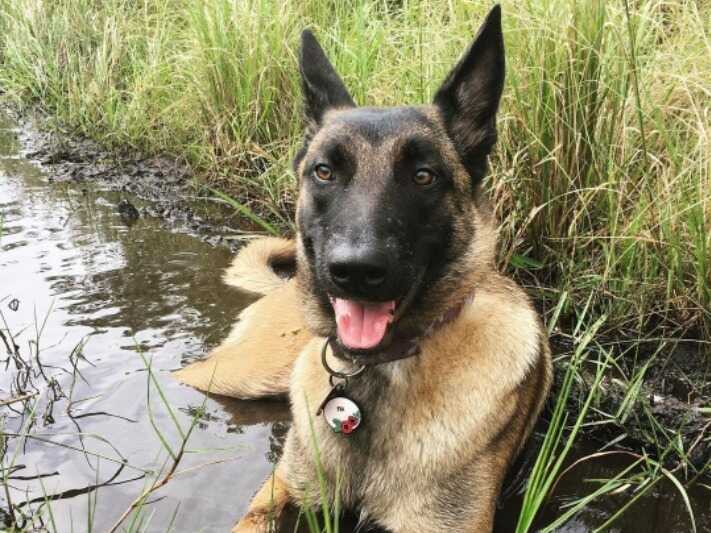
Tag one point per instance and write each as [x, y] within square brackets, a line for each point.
[164, 186]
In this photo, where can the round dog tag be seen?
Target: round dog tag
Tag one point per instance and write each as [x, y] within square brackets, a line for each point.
[342, 415]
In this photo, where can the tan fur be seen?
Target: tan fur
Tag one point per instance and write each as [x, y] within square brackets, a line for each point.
[440, 429]
[250, 270]
[448, 425]
[268, 503]
[255, 360]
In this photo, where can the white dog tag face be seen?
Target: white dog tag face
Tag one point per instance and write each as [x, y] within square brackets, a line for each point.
[342, 415]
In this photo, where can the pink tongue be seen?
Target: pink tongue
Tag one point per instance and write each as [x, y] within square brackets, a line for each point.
[362, 325]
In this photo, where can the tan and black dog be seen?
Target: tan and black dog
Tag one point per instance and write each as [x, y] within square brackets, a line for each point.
[447, 362]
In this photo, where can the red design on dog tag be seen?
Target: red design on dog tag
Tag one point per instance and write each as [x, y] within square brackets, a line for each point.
[342, 415]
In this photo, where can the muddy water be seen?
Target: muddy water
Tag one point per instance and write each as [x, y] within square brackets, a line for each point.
[73, 272]
[73, 265]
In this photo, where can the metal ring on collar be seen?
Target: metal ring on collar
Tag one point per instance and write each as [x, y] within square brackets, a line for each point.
[336, 373]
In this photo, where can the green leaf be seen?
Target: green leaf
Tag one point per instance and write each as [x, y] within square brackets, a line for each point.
[246, 211]
[523, 261]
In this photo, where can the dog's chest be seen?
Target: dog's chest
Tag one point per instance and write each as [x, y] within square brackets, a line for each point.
[403, 439]
[357, 459]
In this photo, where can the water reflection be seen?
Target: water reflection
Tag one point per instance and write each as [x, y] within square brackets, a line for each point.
[81, 274]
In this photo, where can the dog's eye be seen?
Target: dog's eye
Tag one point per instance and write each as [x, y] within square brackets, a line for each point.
[424, 177]
[323, 173]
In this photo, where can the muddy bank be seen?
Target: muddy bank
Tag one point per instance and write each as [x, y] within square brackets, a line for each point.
[167, 187]
[653, 399]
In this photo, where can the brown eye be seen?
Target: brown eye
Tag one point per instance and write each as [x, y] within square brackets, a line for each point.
[424, 177]
[323, 173]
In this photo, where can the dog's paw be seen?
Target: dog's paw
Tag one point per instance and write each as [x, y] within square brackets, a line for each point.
[253, 522]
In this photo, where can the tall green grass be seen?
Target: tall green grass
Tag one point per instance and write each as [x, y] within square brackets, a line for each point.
[601, 175]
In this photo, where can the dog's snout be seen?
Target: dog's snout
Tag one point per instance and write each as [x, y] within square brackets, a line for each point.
[358, 270]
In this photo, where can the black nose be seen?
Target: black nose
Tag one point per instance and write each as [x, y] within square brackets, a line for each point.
[358, 270]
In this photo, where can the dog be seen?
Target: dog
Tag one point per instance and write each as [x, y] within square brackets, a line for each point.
[413, 367]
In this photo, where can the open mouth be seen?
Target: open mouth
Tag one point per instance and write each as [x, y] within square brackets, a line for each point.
[362, 325]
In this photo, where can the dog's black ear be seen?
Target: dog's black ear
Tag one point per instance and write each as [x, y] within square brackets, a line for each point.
[322, 87]
[469, 97]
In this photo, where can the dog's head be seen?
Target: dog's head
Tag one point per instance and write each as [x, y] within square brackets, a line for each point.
[389, 216]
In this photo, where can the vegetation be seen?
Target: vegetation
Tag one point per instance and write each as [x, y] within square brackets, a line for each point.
[34, 402]
[601, 175]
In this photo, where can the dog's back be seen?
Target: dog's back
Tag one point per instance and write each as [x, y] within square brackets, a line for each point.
[255, 360]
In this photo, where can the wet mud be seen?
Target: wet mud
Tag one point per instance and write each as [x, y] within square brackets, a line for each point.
[162, 187]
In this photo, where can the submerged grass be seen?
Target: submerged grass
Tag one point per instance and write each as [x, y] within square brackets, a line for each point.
[601, 176]
[32, 416]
